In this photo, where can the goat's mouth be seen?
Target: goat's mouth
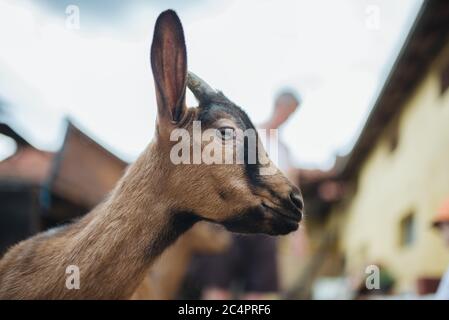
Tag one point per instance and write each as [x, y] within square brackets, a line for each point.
[264, 219]
[294, 217]
[283, 221]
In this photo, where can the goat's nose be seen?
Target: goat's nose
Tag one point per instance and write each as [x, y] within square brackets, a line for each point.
[296, 199]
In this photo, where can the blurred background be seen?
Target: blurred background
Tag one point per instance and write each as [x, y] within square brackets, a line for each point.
[368, 142]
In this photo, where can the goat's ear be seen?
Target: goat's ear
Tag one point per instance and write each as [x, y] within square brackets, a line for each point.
[169, 64]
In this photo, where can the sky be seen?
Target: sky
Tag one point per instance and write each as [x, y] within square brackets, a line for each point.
[336, 54]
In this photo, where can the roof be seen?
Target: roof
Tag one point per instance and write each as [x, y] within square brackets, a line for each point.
[426, 39]
[10, 132]
[84, 171]
[27, 165]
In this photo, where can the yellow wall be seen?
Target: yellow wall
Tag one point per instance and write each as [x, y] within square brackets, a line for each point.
[391, 184]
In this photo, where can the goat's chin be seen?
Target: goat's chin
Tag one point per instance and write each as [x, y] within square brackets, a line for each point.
[261, 220]
[282, 226]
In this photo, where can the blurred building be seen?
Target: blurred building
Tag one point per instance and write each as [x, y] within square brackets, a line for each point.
[83, 171]
[376, 205]
[22, 177]
[40, 189]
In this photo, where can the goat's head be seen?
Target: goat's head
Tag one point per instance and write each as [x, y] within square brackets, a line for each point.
[234, 194]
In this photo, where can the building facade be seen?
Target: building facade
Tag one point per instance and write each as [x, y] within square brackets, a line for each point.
[377, 204]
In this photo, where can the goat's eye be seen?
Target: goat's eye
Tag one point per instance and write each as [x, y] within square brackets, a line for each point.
[226, 133]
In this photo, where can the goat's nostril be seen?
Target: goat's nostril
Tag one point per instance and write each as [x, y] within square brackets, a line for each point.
[296, 198]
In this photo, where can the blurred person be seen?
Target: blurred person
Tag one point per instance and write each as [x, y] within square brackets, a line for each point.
[441, 222]
[286, 103]
[293, 248]
[249, 270]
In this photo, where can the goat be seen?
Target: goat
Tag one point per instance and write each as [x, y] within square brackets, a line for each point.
[157, 200]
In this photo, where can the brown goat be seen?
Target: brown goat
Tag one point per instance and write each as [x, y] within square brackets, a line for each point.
[157, 200]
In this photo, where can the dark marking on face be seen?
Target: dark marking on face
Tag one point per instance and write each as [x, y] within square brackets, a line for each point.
[219, 104]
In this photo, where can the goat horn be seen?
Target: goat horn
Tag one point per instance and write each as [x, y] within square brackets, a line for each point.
[200, 89]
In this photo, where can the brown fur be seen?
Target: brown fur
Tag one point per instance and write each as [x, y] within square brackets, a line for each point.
[153, 203]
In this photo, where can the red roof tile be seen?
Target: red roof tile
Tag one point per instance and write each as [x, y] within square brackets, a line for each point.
[27, 164]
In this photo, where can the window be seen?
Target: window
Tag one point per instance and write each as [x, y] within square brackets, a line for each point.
[444, 78]
[393, 135]
[407, 231]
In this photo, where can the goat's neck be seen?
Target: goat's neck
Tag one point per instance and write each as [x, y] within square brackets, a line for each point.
[135, 225]
[113, 245]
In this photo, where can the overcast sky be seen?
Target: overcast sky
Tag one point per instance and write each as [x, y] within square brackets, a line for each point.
[335, 53]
